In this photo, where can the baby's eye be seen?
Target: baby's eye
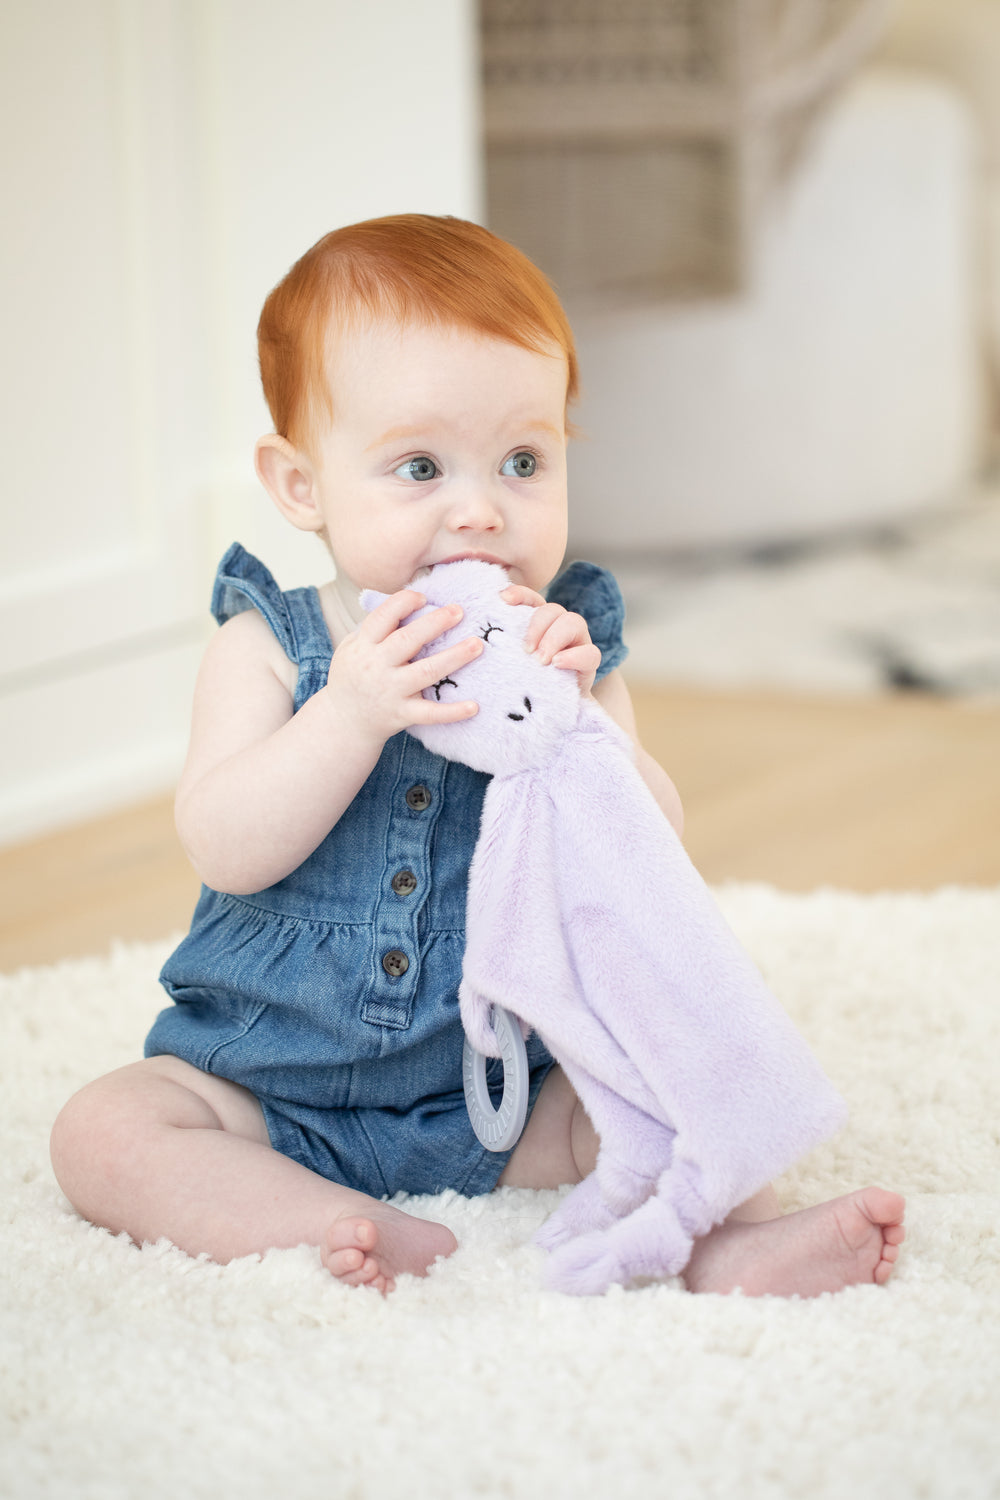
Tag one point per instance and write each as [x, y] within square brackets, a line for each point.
[421, 469]
[520, 465]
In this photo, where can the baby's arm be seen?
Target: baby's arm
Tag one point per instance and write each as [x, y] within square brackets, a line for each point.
[614, 697]
[562, 637]
[263, 786]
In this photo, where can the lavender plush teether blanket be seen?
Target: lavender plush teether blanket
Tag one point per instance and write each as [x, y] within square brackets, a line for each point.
[588, 921]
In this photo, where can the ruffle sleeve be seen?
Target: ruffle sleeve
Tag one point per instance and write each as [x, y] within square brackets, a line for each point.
[242, 582]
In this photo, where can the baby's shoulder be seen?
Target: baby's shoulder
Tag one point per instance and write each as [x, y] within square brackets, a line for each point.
[246, 646]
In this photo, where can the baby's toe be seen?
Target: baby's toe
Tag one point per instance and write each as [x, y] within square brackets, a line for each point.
[365, 1274]
[351, 1230]
[347, 1251]
[883, 1271]
[344, 1263]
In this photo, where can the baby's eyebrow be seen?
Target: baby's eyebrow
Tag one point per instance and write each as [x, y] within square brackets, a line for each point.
[540, 427]
[404, 434]
[395, 435]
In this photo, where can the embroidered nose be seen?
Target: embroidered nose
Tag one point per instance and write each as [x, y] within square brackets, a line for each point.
[527, 704]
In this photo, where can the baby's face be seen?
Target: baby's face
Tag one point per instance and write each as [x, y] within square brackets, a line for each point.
[443, 445]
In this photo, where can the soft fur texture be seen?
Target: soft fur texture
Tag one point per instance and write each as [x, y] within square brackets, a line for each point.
[128, 1372]
[588, 921]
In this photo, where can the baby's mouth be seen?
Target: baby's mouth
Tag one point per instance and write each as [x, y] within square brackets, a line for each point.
[427, 568]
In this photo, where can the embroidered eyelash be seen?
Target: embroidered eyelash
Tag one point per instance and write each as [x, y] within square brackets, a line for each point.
[488, 630]
[437, 686]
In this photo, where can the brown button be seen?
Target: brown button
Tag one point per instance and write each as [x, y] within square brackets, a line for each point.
[419, 798]
[404, 882]
[395, 962]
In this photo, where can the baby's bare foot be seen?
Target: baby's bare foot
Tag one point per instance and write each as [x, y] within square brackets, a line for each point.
[373, 1248]
[823, 1249]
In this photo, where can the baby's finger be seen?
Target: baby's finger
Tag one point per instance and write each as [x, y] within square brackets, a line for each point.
[380, 622]
[414, 636]
[578, 659]
[541, 622]
[443, 711]
[420, 633]
[432, 669]
[519, 593]
[583, 660]
[565, 630]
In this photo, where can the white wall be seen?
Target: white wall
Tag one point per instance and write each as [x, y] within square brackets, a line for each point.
[165, 163]
[323, 114]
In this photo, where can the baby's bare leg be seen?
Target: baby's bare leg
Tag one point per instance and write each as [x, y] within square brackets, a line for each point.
[841, 1243]
[161, 1149]
[558, 1145]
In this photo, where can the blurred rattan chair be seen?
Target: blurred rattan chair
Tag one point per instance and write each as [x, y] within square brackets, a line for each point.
[631, 144]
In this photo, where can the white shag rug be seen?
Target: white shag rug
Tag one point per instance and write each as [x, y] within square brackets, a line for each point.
[129, 1372]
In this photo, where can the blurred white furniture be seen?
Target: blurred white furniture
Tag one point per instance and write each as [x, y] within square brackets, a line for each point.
[845, 387]
[960, 41]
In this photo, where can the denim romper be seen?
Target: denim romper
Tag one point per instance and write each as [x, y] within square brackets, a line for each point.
[333, 995]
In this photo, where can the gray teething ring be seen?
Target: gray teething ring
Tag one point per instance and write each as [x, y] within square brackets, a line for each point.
[498, 1129]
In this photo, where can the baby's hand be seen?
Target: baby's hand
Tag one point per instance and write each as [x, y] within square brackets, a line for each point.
[557, 635]
[374, 675]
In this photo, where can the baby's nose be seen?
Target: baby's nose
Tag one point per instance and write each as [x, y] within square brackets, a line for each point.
[475, 510]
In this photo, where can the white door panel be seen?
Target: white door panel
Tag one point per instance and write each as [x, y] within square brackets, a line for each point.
[99, 539]
[163, 162]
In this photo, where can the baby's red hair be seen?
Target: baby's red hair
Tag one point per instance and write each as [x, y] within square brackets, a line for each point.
[410, 268]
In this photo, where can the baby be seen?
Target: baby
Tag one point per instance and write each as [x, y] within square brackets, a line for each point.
[418, 372]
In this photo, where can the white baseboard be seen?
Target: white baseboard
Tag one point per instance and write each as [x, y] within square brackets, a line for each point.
[88, 791]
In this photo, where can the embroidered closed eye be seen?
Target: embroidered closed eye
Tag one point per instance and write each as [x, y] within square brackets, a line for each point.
[488, 630]
[527, 704]
[445, 682]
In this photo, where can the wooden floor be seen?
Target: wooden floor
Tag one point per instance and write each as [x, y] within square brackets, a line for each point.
[894, 793]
